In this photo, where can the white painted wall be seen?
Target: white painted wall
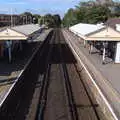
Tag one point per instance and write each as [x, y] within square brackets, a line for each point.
[117, 56]
[118, 27]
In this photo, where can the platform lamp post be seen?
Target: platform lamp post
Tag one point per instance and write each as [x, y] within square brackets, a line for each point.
[9, 42]
[11, 18]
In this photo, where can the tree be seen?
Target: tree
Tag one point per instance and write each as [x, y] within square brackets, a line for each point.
[91, 12]
[57, 20]
[49, 20]
[26, 17]
[98, 14]
[70, 18]
[36, 17]
[41, 20]
[27, 13]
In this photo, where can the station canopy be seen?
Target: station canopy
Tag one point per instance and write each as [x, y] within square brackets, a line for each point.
[105, 34]
[21, 32]
[91, 32]
[83, 29]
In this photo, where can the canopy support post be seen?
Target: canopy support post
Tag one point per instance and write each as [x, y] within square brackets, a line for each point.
[9, 51]
[10, 55]
[103, 58]
[21, 46]
[91, 48]
[84, 43]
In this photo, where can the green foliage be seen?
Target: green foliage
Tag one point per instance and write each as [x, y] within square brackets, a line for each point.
[41, 20]
[31, 17]
[36, 18]
[91, 12]
[57, 20]
[48, 19]
[26, 13]
[97, 14]
[70, 18]
[26, 18]
[51, 20]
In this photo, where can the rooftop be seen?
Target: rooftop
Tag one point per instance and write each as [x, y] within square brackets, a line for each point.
[85, 29]
[21, 32]
[26, 29]
[112, 22]
[95, 32]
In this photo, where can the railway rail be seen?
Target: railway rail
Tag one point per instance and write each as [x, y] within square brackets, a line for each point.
[73, 110]
[52, 63]
[58, 75]
[62, 93]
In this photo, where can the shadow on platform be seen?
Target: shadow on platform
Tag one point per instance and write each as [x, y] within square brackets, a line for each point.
[64, 52]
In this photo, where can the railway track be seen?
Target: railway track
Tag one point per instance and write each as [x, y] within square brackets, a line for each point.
[57, 69]
[60, 102]
[54, 77]
[69, 92]
[84, 99]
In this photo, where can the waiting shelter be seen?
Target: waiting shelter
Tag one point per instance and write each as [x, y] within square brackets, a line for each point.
[107, 38]
[9, 36]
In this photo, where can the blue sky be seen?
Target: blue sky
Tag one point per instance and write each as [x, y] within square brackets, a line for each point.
[37, 6]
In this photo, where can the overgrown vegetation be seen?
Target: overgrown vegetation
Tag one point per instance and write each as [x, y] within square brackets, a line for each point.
[48, 19]
[91, 12]
[51, 20]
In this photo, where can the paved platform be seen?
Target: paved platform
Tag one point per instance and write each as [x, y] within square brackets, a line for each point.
[9, 72]
[106, 76]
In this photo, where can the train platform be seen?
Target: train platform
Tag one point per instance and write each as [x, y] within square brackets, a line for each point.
[9, 72]
[106, 76]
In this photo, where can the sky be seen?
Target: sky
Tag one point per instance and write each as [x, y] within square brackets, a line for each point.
[37, 6]
[41, 7]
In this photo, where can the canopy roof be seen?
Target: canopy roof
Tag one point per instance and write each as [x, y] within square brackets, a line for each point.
[21, 32]
[99, 32]
[83, 29]
[104, 34]
[26, 29]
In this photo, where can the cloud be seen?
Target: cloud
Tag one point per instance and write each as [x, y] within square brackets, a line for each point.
[4, 10]
[15, 3]
[53, 1]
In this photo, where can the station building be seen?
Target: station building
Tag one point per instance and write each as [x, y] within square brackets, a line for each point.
[101, 38]
[14, 36]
